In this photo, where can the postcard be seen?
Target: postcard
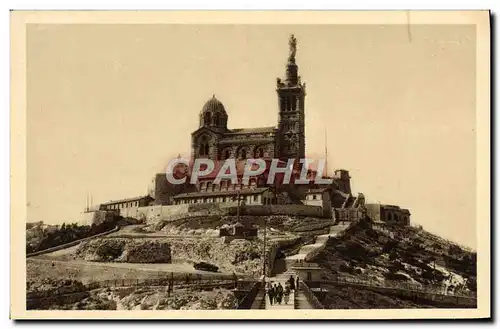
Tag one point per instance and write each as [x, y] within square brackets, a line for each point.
[250, 165]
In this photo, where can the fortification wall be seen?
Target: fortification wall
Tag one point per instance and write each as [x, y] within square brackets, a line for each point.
[95, 217]
[290, 210]
[155, 213]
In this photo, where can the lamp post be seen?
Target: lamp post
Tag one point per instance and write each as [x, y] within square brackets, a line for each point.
[238, 207]
[238, 199]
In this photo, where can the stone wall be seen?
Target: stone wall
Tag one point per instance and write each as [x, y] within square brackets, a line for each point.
[155, 213]
[272, 250]
[291, 210]
[95, 217]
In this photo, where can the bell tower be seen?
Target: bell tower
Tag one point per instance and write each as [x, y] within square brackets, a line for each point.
[291, 118]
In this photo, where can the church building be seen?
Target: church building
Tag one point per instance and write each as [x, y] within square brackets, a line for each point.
[216, 141]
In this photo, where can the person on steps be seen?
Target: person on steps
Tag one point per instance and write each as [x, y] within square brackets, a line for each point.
[287, 294]
[279, 293]
[291, 282]
[270, 293]
[297, 283]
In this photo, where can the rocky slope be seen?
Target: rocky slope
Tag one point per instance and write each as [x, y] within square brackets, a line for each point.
[240, 256]
[147, 299]
[404, 254]
[125, 250]
[47, 287]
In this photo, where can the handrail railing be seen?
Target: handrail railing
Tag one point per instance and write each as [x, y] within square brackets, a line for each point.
[400, 286]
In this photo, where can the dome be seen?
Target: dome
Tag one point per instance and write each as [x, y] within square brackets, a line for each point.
[213, 105]
[213, 114]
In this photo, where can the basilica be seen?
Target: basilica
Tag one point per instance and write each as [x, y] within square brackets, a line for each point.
[216, 141]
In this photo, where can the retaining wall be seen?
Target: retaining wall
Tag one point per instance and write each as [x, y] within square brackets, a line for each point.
[154, 213]
[290, 210]
[272, 250]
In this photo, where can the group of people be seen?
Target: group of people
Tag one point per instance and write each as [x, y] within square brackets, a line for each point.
[277, 294]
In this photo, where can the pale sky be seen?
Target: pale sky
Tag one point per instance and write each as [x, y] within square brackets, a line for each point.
[109, 105]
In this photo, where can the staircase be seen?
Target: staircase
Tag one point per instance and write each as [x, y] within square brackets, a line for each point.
[310, 250]
[282, 270]
[350, 202]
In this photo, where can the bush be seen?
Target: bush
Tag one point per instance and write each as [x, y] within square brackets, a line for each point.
[68, 233]
[393, 255]
[390, 246]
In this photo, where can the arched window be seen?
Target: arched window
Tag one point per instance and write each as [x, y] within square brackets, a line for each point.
[259, 153]
[227, 154]
[208, 118]
[243, 154]
[217, 119]
[204, 147]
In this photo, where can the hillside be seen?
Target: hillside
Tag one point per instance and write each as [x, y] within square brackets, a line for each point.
[403, 254]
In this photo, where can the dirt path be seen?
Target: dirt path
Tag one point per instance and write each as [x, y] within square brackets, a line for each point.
[38, 268]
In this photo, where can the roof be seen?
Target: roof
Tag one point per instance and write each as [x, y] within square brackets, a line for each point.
[213, 105]
[258, 130]
[258, 190]
[127, 200]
